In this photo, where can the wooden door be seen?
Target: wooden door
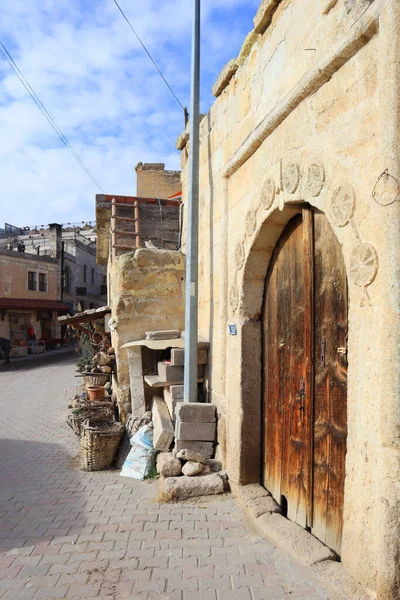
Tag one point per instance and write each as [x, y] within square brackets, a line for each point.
[305, 306]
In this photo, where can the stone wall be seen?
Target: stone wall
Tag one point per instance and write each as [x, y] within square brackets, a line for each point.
[14, 268]
[309, 112]
[153, 181]
[146, 293]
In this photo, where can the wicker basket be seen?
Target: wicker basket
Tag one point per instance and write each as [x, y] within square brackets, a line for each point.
[96, 379]
[99, 443]
[101, 411]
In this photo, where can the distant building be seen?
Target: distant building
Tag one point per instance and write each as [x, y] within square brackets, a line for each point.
[82, 283]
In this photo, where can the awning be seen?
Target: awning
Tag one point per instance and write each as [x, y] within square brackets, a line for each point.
[32, 304]
[92, 314]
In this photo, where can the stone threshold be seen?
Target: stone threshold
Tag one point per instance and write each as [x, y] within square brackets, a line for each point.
[263, 514]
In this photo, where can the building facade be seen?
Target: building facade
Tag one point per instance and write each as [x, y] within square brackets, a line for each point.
[299, 272]
[29, 297]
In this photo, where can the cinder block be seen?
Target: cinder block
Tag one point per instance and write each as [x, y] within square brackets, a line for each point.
[169, 373]
[199, 412]
[178, 357]
[176, 392]
[202, 432]
[205, 448]
[163, 432]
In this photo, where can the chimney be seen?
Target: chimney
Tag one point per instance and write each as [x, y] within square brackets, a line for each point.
[55, 239]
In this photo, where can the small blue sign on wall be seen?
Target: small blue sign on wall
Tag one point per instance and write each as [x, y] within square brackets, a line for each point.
[232, 329]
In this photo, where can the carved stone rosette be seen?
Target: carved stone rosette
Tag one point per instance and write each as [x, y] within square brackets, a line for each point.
[268, 194]
[290, 177]
[364, 264]
[315, 179]
[239, 255]
[251, 222]
[233, 298]
[342, 204]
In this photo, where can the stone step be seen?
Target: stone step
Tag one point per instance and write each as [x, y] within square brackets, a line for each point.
[155, 381]
[178, 357]
[168, 372]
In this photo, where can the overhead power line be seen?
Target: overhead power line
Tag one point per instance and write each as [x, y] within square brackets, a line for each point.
[45, 112]
[151, 58]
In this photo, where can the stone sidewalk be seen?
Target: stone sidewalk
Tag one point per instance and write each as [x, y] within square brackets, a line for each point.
[69, 534]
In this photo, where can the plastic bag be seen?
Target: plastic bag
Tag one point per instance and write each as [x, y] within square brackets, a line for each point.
[140, 459]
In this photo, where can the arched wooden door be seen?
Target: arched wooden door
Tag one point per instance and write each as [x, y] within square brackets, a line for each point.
[305, 388]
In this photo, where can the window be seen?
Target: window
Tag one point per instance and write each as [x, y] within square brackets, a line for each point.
[93, 276]
[42, 282]
[85, 273]
[31, 280]
[104, 279]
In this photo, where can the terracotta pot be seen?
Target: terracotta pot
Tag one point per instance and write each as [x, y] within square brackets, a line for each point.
[96, 392]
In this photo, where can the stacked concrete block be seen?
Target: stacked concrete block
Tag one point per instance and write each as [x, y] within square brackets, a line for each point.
[178, 356]
[195, 427]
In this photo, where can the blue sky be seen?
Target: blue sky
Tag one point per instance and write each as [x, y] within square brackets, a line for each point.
[95, 80]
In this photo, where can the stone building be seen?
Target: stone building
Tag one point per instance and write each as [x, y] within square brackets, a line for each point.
[299, 255]
[29, 297]
[145, 284]
[84, 282]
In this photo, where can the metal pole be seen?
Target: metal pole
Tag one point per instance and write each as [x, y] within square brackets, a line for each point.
[192, 242]
[62, 270]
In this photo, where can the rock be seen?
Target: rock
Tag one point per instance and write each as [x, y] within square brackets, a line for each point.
[101, 359]
[192, 456]
[111, 350]
[206, 470]
[19, 352]
[215, 465]
[168, 465]
[190, 487]
[224, 475]
[105, 369]
[192, 468]
[205, 448]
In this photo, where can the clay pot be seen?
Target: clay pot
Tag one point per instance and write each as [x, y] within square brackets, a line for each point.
[96, 392]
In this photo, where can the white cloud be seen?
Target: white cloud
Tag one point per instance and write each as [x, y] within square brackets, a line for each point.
[96, 81]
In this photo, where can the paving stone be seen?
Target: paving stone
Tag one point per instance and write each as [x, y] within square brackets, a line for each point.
[125, 544]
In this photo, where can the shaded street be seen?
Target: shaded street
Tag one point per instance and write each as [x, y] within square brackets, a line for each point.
[69, 534]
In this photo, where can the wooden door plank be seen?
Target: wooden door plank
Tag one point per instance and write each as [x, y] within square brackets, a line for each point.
[330, 398]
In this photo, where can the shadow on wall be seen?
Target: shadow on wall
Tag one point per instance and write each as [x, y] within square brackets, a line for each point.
[38, 506]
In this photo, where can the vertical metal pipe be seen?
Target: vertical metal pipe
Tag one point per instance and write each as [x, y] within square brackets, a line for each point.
[192, 243]
[62, 270]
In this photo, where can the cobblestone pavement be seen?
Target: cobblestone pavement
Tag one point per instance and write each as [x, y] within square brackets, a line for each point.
[69, 534]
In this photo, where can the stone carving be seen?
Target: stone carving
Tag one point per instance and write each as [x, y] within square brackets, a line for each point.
[342, 205]
[233, 298]
[291, 177]
[386, 190]
[239, 255]
[364, 264]
[315, 179]
[251, 222]
[268, 194]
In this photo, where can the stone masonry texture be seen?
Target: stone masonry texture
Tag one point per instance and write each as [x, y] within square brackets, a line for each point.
[69, 534]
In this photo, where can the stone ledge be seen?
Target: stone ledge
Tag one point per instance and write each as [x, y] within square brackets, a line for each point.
[295, 540]
[248, 43]
[182, 140]
[224, 77]
[264, 14]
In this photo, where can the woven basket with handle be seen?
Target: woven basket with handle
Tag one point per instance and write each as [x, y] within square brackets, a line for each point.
[99, 443]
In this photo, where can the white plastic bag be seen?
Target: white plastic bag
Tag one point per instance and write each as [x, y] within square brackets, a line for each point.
[141, 457]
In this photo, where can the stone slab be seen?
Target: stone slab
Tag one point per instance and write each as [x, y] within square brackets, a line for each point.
[168, 372]
[168, 334]
[170, 402]
[256, 500]
[294, 539]
[204, 448]
[224, 77]
[163, 433]
[178, 357]
[264, 15]
[195, 432]
[195, 412]
[191, 487]
[156, 382]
